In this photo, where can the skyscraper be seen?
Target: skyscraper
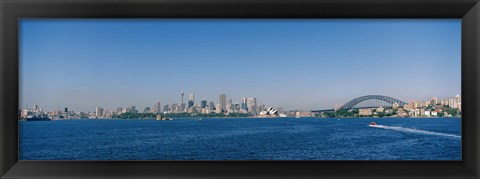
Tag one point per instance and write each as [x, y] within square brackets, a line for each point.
[98, 112]
[252, 105]
[166, 108]
[244, 103]
[230, 106]
[223, 102]
[203, 103]
[191, 100]
[173, 108]
[158, 108]
[211, 106]
[218, 108]
[182, 107]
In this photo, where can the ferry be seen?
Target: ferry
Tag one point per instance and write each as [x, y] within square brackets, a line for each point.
[372, 124]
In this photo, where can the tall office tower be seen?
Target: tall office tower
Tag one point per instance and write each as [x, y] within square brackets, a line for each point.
[66, 110]
[173, 108]
[165, 108]
[191, 100]
[203, 103]
[218, 108]
[158, 108]
[230, 106]
[182, 96]
[182, 107]
[35, 107]
[211, 106]
[244, 103]
[133, 110]
[223, 102]
[252, 105]
[98, 112]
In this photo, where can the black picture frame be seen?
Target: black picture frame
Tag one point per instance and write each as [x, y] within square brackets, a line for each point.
[12, 10]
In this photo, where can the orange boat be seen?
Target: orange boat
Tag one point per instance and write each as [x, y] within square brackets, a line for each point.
[372, 124]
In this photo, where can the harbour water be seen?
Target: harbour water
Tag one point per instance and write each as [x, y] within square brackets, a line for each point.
[242, 139]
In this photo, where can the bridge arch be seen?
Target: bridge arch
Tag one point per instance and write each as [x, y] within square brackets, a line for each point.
[352, 103]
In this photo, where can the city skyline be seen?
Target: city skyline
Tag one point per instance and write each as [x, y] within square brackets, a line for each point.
[205, 103]
[294, 64]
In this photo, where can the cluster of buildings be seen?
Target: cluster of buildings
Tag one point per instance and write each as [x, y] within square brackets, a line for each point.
[38, 112]
[415, 108]
[247, 105]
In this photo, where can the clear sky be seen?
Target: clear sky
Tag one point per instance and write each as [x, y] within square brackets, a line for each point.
[294, 64]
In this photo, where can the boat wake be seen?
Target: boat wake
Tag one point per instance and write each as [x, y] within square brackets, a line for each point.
[404, 129]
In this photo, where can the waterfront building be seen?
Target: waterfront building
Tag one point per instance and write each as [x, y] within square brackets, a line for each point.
[422, 111]
[408, 107]
[211, 106]
[252, 105]
[426, 103]
[365, 112]
[236, 107]
[427, 113]
[244, 103]
[402, 112]
[380, 109]
[230, 106]
[166, 108]
[242, 111]
[191, 100]
[417, 113]
[205, 111]
[158, 107]
[223, 102]
[174, 108]
[218, 108]
[203, 104]
[434, 101]
[182, 107]
[99, 112]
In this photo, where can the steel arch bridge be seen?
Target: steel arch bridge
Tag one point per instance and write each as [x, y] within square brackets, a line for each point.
[352, 103]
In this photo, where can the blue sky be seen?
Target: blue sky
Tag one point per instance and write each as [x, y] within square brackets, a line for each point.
[294, 64]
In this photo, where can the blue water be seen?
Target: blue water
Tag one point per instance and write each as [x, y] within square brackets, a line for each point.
[242, 139]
